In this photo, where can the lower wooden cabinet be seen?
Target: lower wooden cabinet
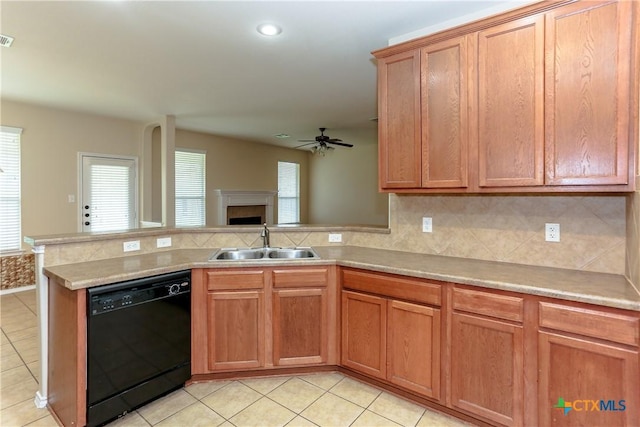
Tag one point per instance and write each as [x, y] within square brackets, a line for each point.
[413, 347]
[259, 318]
[364, 335]
[235, 330]
[487, 368]
[391, 339]
[300, 317]
[588, 366]
[487, 355]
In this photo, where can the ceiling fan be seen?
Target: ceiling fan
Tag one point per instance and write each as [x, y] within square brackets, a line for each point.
[320, 144]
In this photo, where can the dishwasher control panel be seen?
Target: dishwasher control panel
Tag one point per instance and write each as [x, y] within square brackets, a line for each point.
[122, 295]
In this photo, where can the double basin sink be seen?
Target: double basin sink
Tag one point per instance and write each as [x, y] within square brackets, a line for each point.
[236, 254]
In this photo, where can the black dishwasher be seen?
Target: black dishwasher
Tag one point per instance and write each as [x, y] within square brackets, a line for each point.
[138, 343]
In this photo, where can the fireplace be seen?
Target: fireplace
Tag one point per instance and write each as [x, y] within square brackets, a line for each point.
[236, 207]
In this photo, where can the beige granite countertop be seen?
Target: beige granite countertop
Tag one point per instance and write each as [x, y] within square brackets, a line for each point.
[596, 288]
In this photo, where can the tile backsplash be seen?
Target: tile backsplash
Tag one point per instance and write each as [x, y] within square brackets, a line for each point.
[593, 232]
[511, 229]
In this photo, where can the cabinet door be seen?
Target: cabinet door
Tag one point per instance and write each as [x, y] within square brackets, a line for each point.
[487, 368]
[299, 326]
[364, 337]
[413, 347]
[579, 373]
[588, 48]
[444, 114]
[399, 120]
[235, 330]
[510, 104]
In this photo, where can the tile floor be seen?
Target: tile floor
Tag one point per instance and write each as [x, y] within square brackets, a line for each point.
[323, 399]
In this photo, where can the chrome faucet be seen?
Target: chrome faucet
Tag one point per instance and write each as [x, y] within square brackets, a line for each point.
[265, 236]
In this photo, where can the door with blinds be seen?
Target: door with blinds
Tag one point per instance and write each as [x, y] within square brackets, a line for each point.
[109, 193]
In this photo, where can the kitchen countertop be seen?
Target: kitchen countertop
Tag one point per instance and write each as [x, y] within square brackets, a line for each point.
[596, 288]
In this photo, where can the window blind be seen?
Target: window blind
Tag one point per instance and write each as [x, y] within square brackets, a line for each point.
[110, 197]
[10, 215]
[288, 192]
[190, 188]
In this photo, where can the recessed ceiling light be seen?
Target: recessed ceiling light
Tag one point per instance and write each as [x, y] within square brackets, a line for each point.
[282, 136]
[269, 29]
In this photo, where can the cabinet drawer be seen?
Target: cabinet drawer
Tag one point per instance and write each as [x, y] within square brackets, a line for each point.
[393, 286]
[488, 304]
[311, 277]
[235, 279]
[598, 324]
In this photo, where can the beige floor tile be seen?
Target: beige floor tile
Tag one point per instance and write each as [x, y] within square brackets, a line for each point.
[24, 334]
[30, 353]
[354, 391]
[436, 419]
[396, 409]
[34, 368]
[296, 394]
[14, 376]
[46, 421]
[300, 422]
[331, 410]
[200, 390]
[324, 380]
[196, 415]
[16, 393]
[265, 385]
[166, 406]
[231, 399]
[264, 412]
[371, 419]
[21, 414]
[19, 324]
[132, 419]
[4, 340]
[9, 358]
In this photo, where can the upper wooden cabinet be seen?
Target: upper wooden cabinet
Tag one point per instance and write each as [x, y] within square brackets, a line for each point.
[588, 86]
[399, 120]
[535, 100]
[443, 79]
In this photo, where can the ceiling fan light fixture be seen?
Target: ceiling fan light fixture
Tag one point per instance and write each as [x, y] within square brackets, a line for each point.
[269, 30]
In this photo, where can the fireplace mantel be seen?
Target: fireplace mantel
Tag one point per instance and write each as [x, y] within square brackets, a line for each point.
[244, 198]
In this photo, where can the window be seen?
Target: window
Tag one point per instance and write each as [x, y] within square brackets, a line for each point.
[190, 188]
[288, 192]
[10, 224]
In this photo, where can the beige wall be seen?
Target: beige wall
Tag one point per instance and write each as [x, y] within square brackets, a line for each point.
[344, 187]
[50, 142]
[241, 165]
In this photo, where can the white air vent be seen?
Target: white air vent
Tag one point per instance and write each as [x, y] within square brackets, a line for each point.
[5, 41]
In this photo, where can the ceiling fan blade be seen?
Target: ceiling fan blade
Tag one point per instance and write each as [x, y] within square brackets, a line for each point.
[306, 140]
[305, 145]
[343, 144]
[333, 140]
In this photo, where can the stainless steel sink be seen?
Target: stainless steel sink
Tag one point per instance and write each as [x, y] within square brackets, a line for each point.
[292, 253]
[238, 254]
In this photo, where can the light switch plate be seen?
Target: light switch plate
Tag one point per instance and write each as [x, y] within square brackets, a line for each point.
[133, 245]
[163, 242]
[335, 237]
[427, 224]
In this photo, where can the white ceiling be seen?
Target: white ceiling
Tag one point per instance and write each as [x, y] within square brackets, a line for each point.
[204, 62]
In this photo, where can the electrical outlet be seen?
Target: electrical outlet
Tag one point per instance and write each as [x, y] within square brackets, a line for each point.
[163, 242]
[133, 245]
[335, 237]
[552, 232]
[427, 224]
